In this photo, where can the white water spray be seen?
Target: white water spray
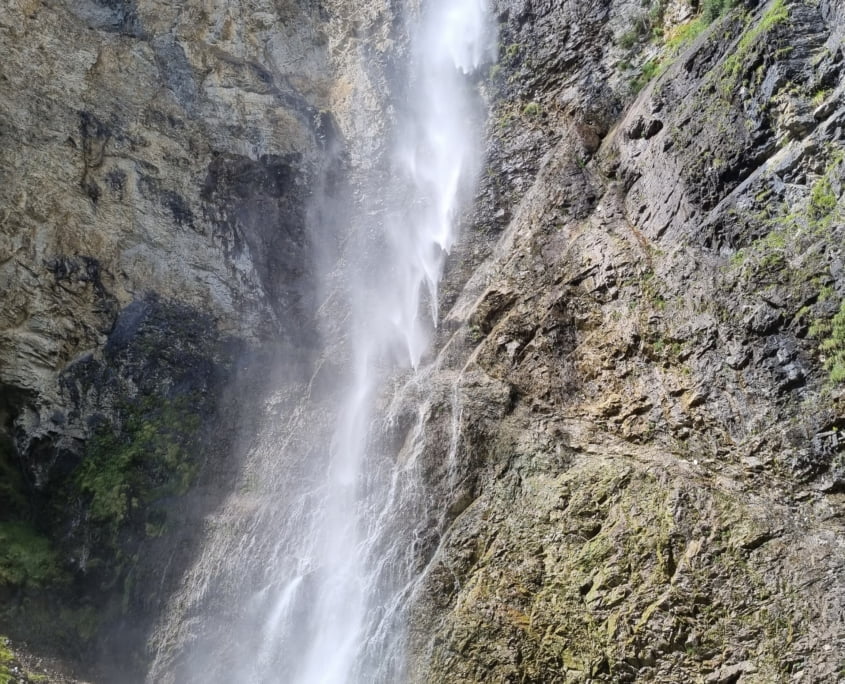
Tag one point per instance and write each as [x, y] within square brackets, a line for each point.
[333, 581]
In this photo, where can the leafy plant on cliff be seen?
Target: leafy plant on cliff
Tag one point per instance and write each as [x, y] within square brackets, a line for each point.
[148, 458]
[822, 199]
[713, 9]
[532, 109]
[26, 558]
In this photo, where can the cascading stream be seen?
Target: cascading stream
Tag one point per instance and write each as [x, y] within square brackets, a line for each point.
[333, 579]
[435, 164]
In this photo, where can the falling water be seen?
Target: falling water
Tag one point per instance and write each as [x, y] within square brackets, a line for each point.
[332, 578]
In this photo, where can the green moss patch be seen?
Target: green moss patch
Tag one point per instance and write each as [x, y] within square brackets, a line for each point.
[609, 569]
[6, 658]
[27, 559]
[149, 457]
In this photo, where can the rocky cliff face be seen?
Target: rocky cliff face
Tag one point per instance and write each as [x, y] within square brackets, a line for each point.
[633, 425]
[157, 251]
[645, 355]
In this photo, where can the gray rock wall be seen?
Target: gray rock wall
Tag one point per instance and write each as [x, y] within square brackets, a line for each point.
[158, 257]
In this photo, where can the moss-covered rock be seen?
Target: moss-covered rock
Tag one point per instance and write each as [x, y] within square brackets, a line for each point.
[614, 571]
[27, 558]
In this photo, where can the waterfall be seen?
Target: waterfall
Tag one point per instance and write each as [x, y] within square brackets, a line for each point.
[316, 557]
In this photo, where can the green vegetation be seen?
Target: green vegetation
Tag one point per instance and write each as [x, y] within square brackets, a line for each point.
[628, 39]
[820, 96]
[147, 459]
[621, 576]
[713, 9]
[823, 205]
[647, 72]
[532, 109]
[793, 231]
[776, 14]
[674, 41]
[6, 658]
[792, 256]
[648, 24]
[27, 559]
[685, 34]
[512, 50]
[822, 199]
[833, 344]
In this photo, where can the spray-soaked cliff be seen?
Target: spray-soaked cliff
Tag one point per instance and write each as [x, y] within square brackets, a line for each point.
[630, 427]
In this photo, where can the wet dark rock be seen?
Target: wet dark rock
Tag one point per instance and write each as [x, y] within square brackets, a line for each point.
[259, 207]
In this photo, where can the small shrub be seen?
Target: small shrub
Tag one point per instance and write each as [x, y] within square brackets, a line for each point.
[820, 96]
[512, 50]
[647, 72]
[822, 199]
[628, 39]
[26, 558]
[532, 109]
[713, 9]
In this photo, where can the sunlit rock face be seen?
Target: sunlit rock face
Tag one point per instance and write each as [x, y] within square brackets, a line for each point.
[642, 362]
